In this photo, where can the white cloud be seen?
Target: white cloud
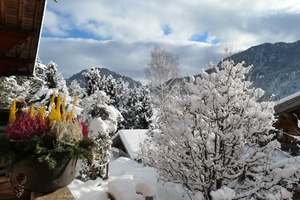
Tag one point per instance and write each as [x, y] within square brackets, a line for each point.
[133, 27]
[74, 55]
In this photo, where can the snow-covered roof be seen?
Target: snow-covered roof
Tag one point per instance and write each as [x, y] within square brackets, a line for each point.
[131, 140]
[287, 103]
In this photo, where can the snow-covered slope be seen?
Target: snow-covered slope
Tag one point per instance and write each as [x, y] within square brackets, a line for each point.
[276, 68]
[130, 83]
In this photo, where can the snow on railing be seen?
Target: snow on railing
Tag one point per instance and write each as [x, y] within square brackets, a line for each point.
[122, 189]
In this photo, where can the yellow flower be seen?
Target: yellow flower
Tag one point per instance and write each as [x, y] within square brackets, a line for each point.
[41, 112]
[63, 110]
[13, 112]
[72, 113]
[31, 111]
[54, 116]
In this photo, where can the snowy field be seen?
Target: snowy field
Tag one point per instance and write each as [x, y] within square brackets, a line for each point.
[128, 171]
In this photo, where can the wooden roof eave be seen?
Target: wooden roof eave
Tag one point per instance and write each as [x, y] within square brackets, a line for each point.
[20, 28]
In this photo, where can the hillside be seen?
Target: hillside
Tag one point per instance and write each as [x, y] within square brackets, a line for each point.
[130, 83]
[276, 68]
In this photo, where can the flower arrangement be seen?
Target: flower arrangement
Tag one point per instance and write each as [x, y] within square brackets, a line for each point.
[53, 136]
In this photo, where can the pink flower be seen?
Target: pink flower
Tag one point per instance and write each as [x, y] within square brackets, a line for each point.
[25, 127]
[85, 131]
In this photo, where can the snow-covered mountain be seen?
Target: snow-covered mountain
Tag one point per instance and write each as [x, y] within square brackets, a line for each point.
[129, 82]
[276, 68]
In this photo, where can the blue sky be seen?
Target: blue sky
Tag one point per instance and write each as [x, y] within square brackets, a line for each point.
[119, 35]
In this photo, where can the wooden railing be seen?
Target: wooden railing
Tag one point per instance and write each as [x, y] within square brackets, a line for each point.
[4, 175]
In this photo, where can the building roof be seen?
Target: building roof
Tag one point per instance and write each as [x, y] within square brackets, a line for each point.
[288, 103]
[131, 139]
[20, 28]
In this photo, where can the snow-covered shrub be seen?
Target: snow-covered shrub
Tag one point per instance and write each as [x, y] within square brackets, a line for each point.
[218, 139]
[102, 120]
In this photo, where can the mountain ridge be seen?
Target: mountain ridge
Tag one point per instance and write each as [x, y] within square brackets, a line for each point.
[276, 68]
[129, 82]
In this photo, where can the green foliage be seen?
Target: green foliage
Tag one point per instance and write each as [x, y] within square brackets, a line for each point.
[35, 149]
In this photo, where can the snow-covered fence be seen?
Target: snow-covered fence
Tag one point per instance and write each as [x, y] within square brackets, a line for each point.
[122, 189]
[148, 190]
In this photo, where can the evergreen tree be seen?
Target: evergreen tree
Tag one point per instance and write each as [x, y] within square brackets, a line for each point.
[9, 90]
[109, 86]
[102, 120]
[144, 109]
[121, 95]
[92, 81]
[219, 139]
[51, 80]
[75, 88]
[20, 87]
[53, 83]
[37, 81]
[129, 111]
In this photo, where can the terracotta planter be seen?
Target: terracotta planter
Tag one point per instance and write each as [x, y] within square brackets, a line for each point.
[36, 177]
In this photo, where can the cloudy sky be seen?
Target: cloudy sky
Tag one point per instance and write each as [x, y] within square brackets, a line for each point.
[120, 34]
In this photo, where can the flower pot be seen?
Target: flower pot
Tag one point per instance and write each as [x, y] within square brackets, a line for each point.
[37, 177]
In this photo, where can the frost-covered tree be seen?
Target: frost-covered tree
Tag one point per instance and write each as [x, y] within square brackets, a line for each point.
[102, 120]
[218, 139]
[92, 80]
[161, 74]
[75, 89]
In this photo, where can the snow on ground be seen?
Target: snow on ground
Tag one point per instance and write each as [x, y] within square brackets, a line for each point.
[128, 171]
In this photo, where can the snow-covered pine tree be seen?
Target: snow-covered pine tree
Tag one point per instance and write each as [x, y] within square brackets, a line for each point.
[51, 75]
[144, 109]
[219, 137]
[109, 86]
[75, 88]
[20, 87]
[121, 95]
[54, 83]
[9, 90]
[92, 80]
[102, 120]
[129, 111]
[37, 81]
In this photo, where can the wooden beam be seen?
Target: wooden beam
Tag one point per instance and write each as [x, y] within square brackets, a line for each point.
[2, 12]
[11, 36]
[15, 66]
[20, 13]
[25, 61]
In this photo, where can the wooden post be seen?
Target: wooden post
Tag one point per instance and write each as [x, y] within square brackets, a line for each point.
[4, 175]
[106, 171]
[60, 194]
[110, 196]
